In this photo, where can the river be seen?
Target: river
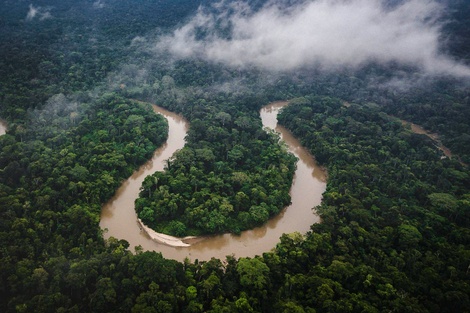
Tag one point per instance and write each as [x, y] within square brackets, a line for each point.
[119, 217]
[3, 127]
[435, 137]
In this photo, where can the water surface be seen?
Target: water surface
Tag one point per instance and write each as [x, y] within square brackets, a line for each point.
[119, 216]
[3, 127]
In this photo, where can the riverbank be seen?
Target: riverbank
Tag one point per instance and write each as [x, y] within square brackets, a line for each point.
[435, 137]
[119, 219]
[164, 238]
[118, 215]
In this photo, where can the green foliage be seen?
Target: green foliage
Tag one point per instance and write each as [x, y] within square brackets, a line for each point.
[388, 209]
[253, 274]
[395, 217]
[67, 169]
[229, 177]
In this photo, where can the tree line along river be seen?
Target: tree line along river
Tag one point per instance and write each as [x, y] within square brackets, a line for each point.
[119, 220]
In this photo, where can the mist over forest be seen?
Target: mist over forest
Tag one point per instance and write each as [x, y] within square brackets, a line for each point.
[328, 34]
[77, 81]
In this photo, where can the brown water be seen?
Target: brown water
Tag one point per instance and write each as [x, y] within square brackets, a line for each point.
[3, 127]
[420, 130]
[309, 183]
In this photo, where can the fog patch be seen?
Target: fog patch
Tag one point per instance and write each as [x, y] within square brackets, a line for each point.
[98, 4]
[326, 34]
[38, 12]
[59, 112]
[138, 41]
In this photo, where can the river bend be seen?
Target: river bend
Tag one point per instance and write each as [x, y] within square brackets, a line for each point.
[119, 218]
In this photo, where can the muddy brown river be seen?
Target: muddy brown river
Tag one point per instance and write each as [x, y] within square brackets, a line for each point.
[119, 220]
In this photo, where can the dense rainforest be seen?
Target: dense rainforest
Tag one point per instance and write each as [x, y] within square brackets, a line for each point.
[230, 176]
[395, 229]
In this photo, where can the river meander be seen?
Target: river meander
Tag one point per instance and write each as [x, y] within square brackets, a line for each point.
[119, 218]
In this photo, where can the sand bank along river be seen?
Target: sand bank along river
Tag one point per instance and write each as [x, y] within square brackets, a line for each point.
[119, 218]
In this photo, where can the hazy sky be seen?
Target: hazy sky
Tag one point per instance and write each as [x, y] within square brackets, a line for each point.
[328, 33]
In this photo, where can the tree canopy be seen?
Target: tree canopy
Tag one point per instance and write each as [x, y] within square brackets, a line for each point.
[394, 232]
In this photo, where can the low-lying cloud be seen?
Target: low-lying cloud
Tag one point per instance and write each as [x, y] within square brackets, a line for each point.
[38, 12]
[330, 34]
[98, 4]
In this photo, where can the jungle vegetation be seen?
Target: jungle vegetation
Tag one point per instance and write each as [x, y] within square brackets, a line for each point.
[395, 216]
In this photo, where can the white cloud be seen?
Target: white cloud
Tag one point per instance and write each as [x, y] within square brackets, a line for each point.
[45, 15]
[39, 12]
[98, 4]
[31, 13]
[138, 40]
[331, 34]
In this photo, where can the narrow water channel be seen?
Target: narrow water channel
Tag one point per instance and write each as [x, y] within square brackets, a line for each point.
[119, 216]
[3, 127]
[435, 137]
